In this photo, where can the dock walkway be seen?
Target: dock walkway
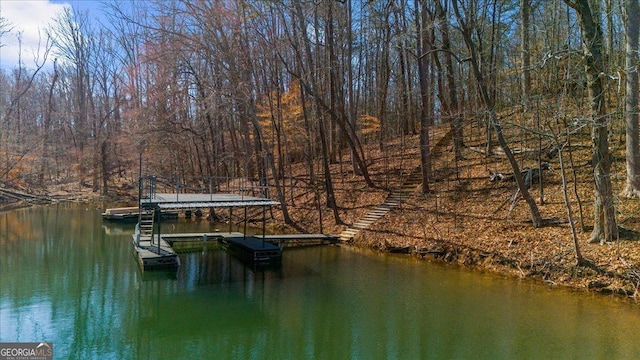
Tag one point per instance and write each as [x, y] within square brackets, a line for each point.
[235, 235]
[255, 249]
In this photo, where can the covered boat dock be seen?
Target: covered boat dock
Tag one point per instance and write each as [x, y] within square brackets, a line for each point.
[154, 251]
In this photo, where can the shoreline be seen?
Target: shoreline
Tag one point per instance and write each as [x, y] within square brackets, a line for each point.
[561, 272]
[609, 274]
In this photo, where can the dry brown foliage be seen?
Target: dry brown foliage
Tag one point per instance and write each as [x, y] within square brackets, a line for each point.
[460, 220]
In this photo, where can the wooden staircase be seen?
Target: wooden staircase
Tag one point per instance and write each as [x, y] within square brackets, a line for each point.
[410, 183]
[413, 180]
[145, 225]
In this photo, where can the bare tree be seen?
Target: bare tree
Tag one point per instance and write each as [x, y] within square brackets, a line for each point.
[424, 22]
[72, 38]
[450, 103]
[465, 29]
[20, 107]
[5, 27]
[46, 135]
[605, 227]
[525, 12]
[632, 188]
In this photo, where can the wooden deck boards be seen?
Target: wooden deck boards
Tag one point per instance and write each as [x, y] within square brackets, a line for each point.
[192, 201]
[149, 258]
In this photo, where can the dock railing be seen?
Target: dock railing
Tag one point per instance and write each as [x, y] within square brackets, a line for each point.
[153, 185]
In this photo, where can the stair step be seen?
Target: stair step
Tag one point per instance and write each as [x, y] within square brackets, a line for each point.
[380, 213]
[367, 221]
[377, 215]
[371, 219]
[363, 222]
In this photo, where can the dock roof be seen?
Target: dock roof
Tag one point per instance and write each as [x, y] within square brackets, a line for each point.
[188, 201]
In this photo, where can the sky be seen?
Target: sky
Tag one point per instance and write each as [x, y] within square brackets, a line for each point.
[30, 17]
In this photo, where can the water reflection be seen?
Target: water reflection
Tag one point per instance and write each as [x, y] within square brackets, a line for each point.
[64, 279]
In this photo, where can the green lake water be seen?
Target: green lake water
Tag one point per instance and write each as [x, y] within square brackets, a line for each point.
[68, 279]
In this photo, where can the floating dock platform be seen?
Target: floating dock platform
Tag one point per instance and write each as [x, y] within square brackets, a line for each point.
[121, 214]
[151, 256]
[254, 250]
[131, 214]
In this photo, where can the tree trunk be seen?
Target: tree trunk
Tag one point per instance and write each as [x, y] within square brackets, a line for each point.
[406, 113]
[632, 188]
[452, 106]
[525, 8]
[328, 182]
[567, 203]
[423, 69]
[605, 227]
[44, 166]
[105, 168]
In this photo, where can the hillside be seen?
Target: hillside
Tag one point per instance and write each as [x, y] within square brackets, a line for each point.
[463, 219]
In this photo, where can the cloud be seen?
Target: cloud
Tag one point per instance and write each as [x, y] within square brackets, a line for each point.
[30, 18]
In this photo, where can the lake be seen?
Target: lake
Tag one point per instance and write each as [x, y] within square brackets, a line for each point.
[69, 279]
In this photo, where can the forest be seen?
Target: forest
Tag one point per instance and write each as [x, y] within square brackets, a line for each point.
[337, 104]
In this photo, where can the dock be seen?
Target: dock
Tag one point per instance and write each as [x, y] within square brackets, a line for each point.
[200, 201]
[154, 249]
[151, 256]
[131, 214]
[279, 239]
[253, 249]
[256, 250]
[121, 214]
